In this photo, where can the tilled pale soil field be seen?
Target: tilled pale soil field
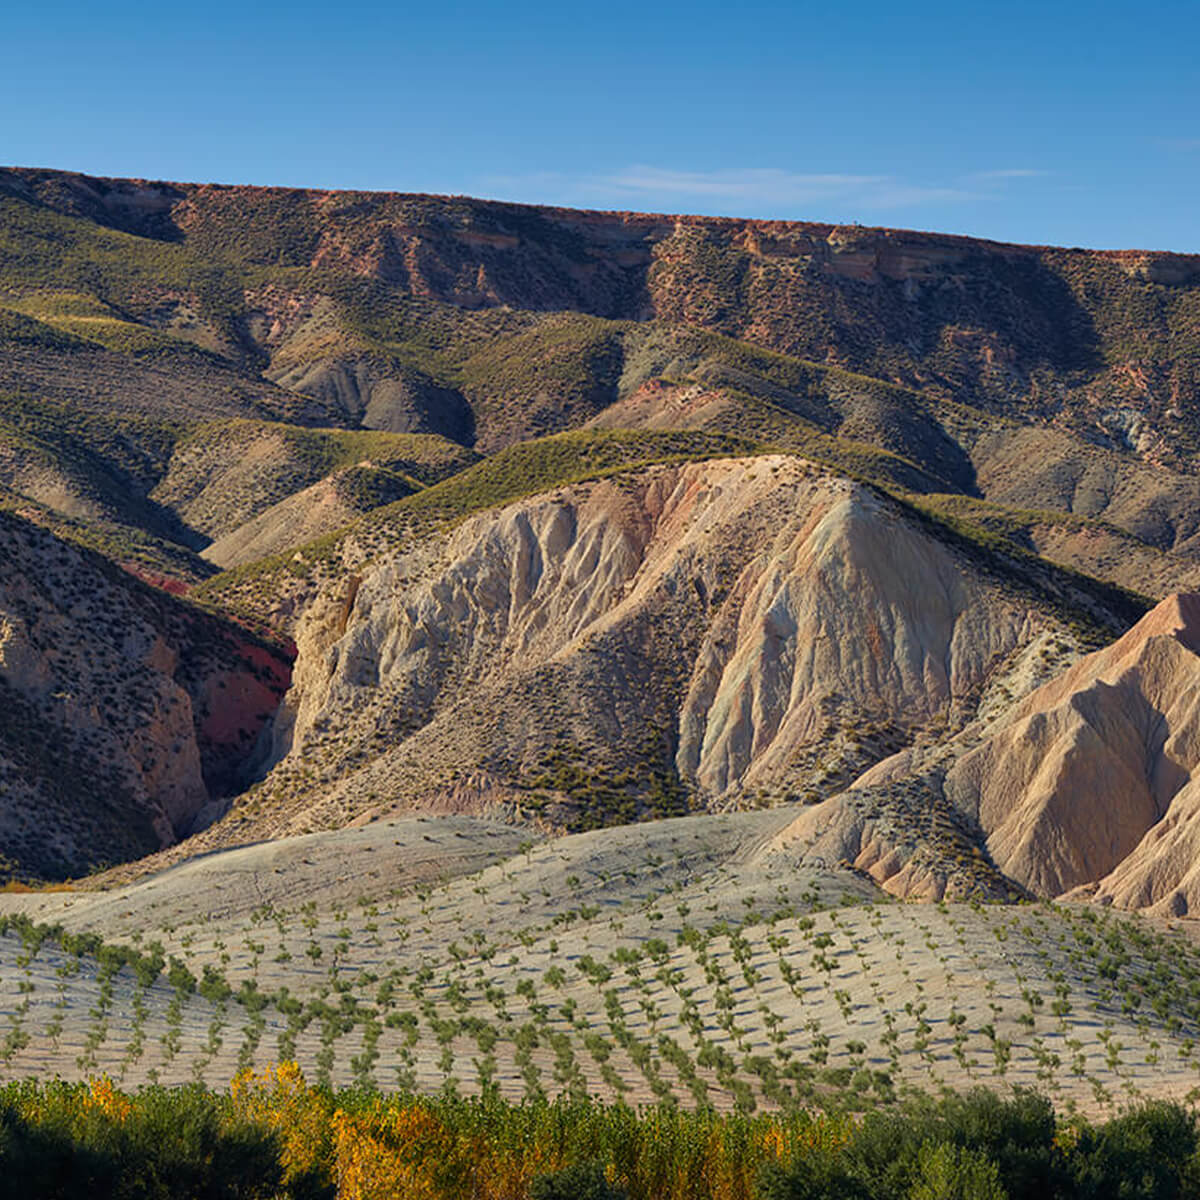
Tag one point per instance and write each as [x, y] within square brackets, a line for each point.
[680, 960]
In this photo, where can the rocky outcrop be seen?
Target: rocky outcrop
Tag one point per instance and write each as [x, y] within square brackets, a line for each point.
[849, 602]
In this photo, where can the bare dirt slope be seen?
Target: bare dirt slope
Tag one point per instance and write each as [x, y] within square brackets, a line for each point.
[124, 712]
[686, 634]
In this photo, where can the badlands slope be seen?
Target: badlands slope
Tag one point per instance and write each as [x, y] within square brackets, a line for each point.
[682, 636]
[805, 627]
[126, 713]
[1084, 787]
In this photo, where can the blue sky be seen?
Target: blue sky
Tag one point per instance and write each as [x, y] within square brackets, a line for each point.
[1059, 122]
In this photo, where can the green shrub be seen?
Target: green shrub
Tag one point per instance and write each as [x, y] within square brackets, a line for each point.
[582, 1181]
[1016, 1134]
[811, 1178]
[946, 1172]
[173, 1144]
[1149, 1153]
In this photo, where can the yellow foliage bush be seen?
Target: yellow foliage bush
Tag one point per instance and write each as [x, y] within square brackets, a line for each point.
[104, 1097]
[279, 1099]
[374, 1147]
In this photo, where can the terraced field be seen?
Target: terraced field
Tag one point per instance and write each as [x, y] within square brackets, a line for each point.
[685, 961]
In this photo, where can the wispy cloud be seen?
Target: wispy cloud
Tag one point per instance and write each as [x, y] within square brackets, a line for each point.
[746, 190]
[771, 185]
[1008, 173]
[740, 184]
[1180, 143]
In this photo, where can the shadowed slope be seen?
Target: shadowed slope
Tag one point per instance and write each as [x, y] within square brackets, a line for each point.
[125, 710]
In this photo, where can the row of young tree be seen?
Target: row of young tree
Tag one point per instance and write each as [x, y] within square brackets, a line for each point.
[273, 1136]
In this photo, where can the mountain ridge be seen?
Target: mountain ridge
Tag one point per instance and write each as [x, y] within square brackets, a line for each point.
[373, 410]
[116, 183]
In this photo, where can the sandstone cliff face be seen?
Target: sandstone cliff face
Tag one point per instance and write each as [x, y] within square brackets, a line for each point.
[1085, 787]
[124, 711]
[1162, 873]
[743, 626]
[1089, 762]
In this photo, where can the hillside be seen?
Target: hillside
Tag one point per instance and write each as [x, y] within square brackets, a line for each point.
[487, 649]
[560, 508]
[670, 635]
[1044, 381]
[690, 961]
[126, 713]
[465, 293]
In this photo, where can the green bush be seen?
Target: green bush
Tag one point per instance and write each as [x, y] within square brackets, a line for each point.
[981, 1146]
[1017, 1134]
[582, 1181]
[175, 1144]
[814, 1177]
[86, 1141]
[946, 1172]
[1146, 1154]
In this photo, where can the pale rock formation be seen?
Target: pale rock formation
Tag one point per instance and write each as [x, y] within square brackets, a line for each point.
[850, 598]
[1085, 787]
[754, 606]
[1088, 763]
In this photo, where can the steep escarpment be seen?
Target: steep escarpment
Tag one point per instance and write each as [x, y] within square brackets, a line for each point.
[849, 602]
[325, 289]
[126, 713]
